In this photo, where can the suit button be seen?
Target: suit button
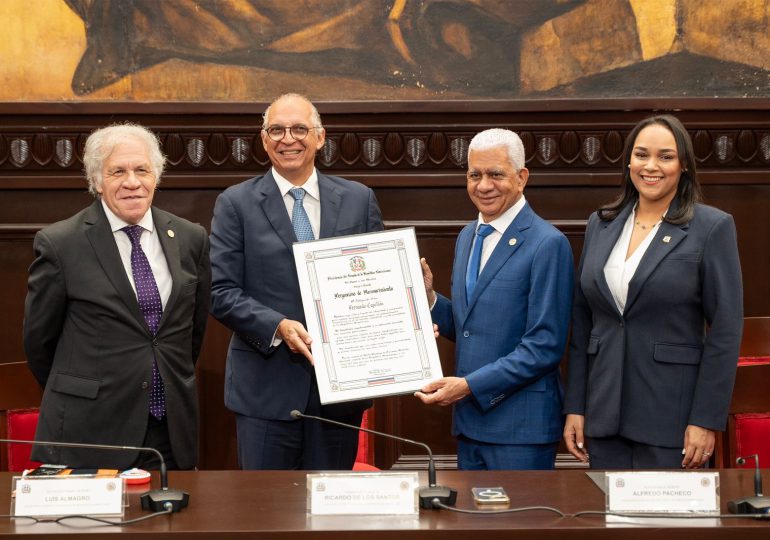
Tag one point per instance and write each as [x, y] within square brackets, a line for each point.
[466, 334]
[154, 342]
[621, 324]
[145, 385]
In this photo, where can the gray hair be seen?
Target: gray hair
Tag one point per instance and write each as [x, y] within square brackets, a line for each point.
[103, 141]
[496, 137]
[315, 118]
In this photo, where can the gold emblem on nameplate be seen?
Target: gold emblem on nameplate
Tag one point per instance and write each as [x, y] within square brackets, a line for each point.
[512, 242]
[170, 233]
[666, 239]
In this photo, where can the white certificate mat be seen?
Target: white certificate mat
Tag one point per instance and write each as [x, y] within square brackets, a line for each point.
[368, 315]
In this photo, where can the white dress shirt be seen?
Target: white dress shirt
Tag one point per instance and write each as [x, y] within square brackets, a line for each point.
[618, 270]
[151, 247]
[500, 225]
[312, 205]
[311, 202]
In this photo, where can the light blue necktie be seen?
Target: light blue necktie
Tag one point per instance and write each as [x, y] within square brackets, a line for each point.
[299, 218]
[474, 263]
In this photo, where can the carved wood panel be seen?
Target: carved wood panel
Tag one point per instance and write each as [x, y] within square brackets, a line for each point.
[413, 158]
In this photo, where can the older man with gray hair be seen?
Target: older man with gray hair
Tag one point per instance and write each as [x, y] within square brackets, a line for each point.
[509, 316]
[116, 308]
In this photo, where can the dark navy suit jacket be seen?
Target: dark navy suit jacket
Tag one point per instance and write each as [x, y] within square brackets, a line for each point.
[255, 286]
[511, 334]
[669, 360]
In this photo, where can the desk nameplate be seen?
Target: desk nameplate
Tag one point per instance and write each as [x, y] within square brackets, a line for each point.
[384, 493]
[663, 492]
[56, 496]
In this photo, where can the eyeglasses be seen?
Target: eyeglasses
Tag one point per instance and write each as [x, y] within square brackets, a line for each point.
[298, 132]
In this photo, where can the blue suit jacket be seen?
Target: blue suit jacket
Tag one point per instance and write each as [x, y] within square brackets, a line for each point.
[255, 286]
[511, 334]
[669, 360]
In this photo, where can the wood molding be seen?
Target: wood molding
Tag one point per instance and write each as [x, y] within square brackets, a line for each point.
[391, 149]
[481, 105]
[419, 462]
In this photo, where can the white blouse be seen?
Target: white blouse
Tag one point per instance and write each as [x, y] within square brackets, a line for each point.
[618, 270]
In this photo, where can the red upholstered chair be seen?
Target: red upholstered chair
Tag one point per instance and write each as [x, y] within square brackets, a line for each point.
[358, 466]
[748, 425]
[752, 436]
[21, 425]
[365, 456]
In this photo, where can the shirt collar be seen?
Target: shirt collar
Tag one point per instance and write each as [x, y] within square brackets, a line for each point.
[501, 224]
[310, 186]
[117, 224]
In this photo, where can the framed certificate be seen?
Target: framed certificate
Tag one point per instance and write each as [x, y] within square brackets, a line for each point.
[368, 315]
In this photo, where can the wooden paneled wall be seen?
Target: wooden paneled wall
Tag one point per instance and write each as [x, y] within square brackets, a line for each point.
[413, 155]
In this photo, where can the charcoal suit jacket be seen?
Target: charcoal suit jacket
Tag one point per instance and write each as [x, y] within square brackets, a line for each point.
[89, 347]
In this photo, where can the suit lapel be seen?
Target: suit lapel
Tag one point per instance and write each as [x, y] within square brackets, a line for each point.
[607, 236]
[464, 242]
[665, 240]
[170, 245]
[270, 200]
[513, 238]
[99, 234]
[330, 206]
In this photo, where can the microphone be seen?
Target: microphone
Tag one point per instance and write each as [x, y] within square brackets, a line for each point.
[428, 495]
[157, 500]
[758, 504]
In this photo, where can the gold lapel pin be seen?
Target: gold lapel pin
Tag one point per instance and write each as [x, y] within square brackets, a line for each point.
[512, 242]
[170, 233]
[666, 239]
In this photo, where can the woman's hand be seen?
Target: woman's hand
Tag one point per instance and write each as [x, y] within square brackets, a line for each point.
[573, 436]
[698, 446]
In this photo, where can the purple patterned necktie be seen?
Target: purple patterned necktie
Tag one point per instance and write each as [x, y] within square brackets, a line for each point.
[148, 296]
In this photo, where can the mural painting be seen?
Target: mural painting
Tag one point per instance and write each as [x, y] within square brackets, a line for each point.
[343, 50]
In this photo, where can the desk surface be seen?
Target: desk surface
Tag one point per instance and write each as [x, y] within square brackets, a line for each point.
[238, 504]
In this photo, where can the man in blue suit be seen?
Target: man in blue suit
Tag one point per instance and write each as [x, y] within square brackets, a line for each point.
[255, 292]
[509, 316]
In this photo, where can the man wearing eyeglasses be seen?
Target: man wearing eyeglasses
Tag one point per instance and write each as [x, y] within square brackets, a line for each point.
[255, 293]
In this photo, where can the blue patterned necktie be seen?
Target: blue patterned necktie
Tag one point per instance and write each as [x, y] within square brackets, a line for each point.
[474, 264]
[148, 296]
[299, 219]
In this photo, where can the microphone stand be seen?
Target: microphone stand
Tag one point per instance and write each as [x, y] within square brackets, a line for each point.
[758, 504]
[428, 495]
[156, 500]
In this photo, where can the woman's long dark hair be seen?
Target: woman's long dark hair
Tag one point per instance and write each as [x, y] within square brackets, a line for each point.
[688, 192]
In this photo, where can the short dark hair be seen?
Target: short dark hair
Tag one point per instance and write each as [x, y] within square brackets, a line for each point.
[688, 192]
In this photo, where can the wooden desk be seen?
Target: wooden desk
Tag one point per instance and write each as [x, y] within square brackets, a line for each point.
[236, 504]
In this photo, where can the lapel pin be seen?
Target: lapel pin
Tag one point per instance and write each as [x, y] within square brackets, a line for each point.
[512, 242]
[170, 233]
[666, 239]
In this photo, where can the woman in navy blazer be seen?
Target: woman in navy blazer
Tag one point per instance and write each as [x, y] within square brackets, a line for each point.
[657, 317]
